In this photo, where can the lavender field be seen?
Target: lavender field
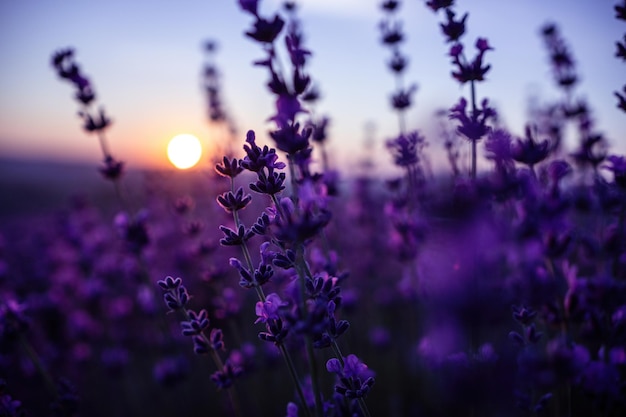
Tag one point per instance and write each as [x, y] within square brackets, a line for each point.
[276, 280]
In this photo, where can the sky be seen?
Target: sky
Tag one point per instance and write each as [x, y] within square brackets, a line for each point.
[145, 59]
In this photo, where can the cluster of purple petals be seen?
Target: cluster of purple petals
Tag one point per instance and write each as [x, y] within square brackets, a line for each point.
[67, 69]
[498, 294]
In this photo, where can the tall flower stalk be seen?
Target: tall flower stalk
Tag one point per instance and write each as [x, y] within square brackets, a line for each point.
[474, 126]
[299, 219]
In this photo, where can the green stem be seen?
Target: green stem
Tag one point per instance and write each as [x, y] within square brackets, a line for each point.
[261, 296]
[36, 360]
[319, 408]
[339, 355]
[294, 376]
[303, 271]
[473, 93]
[246, 252]
[232, 394]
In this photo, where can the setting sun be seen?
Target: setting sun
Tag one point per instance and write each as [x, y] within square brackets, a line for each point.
[184, 151]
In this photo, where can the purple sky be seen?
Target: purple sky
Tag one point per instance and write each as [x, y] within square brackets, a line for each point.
[145, 58]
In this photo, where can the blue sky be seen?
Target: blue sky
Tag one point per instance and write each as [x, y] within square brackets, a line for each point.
[145, 59]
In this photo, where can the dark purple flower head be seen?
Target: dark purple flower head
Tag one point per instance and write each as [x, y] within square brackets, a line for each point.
[290, 139]
[13, 320]
[498, 146]
[311, 95]
[474, 126]
[563, 66]
[617, 165]
[266, 31]
[528, 151]
[435, 5]
[292, 410]
[270, 183]
[591, 150]
[402, 98]
[353, 367]
[170, 283]
[229, 167]
[558, 170]
[236, 201]
[319, 130]
[299, 225]
[470, 71]
[297, 53]
[398, 62]
[390, 5]
[268, 309]
[621, 49]
[620, 11]
[258, 158]
[482, 45]
[250, 6]
[170, 370]
[300, 81]
[134, 230]
[355, 378]
[523, 315]
[456, 50]
[63, 62]
[95, 124]
[176, 295]
[60, 57]
[112, 169]
[197, 323]
[225, 377]
[391, 33]
[453, 29]
[405, 148]
[287, 107]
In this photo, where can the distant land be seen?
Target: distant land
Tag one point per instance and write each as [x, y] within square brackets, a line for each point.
[39, 187]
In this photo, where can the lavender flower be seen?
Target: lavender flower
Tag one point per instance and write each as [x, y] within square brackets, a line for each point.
[355, 378]
[618, 168]
[406, 148]
[435, 5]
[529, 151]
[470, 71]
[473, 126]
[453, 29]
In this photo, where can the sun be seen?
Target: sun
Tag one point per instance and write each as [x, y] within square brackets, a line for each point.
[184, 151]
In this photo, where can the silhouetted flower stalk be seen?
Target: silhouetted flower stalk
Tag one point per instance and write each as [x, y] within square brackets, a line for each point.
[94, 122]
[14, 325]
[620, 14]
[392, 36]
[196, 326]
[592, 145]
[217, 113]
[473, 126]
[262, 161]
[298, 222]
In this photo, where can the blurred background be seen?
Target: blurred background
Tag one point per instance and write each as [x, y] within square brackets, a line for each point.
[145, 59]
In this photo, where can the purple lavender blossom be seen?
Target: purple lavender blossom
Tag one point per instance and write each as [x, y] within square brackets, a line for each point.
[268, 309]
[406, 148]
[355, 378]
[453, 29]
[435, 5]
[473, 126]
